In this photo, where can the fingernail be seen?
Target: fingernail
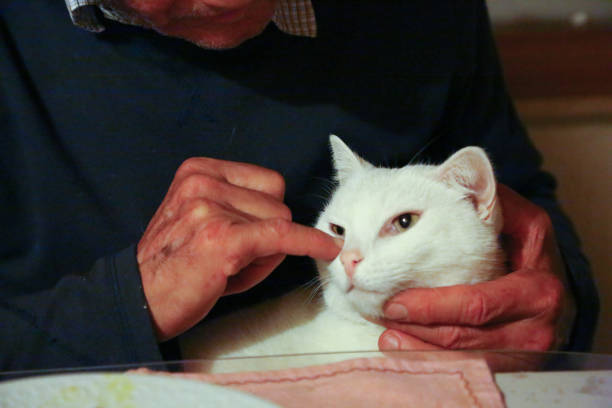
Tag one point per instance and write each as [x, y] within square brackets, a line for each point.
[390, 342]
[396, 311]
[339, 242]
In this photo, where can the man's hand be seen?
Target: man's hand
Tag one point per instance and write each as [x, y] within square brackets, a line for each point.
[207, 23]
[520, 310]
[221, 229]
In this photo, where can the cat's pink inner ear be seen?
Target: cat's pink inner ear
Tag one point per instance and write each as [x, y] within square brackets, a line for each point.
[470, 169]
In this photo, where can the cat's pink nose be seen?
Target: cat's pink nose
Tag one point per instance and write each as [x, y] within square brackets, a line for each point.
[350, 259]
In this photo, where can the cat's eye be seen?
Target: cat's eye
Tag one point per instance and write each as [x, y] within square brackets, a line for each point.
[399, 224]
[404, 221]
[336, 229]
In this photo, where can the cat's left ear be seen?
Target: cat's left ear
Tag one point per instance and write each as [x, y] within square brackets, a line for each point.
[345, 160]
[470, 170]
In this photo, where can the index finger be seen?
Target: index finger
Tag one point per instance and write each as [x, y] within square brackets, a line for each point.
[514, 296]
[281, 236]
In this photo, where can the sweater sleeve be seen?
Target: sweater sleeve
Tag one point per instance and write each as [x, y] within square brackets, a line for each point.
[97, 318]
[482, 113]
[59, 307]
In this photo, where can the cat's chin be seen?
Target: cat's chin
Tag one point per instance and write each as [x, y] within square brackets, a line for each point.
[368, 303]
[354, 304]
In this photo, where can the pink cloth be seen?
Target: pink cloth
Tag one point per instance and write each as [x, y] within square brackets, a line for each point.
[370, 382]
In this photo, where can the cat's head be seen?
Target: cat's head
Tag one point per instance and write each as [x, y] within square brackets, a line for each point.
[415, 226]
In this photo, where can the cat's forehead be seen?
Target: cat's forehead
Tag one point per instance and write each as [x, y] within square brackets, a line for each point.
[379, 193]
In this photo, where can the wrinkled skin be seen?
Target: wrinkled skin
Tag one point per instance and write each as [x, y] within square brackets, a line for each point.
[221, 229]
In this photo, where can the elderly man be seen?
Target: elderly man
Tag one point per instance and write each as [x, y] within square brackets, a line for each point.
[106, 134]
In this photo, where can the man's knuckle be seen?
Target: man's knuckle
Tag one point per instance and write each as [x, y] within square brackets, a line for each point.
[551, 301]
[193, 185]
[189, 166]
[198, 210]
[284, 212]
[233, 264]
[477, 311]
[186, 187]
[216, 233]
[452, 337]
[279, 227]
[542, 339]
[542, 219]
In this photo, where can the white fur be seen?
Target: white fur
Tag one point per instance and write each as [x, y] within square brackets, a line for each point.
[454, 241]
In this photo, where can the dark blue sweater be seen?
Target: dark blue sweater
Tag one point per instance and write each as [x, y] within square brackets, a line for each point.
[93, 127]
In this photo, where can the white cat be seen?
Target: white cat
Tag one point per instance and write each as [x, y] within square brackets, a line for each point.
[415, 226]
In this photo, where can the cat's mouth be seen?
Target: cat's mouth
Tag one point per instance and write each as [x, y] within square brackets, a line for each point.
[352, 288]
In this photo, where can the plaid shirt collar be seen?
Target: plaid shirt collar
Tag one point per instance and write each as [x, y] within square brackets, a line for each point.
[294, 17]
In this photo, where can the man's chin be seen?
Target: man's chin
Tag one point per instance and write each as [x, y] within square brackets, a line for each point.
[217, 39]
[221, 43]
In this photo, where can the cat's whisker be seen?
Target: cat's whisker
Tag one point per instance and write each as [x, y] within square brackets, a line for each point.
[422, 149]
[327, 183]
[328, 186]
[312, 282]
[325, 180]
[314, 294]
[322, 197]
[314, 287]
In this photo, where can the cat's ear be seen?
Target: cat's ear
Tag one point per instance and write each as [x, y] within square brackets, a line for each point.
[470, 170]
[345, 160]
